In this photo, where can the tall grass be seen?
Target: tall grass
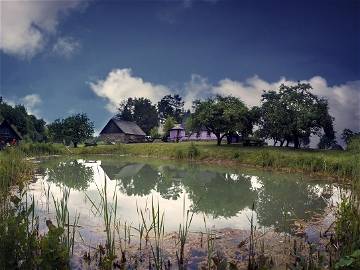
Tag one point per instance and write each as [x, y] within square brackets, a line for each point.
[109, 214]
[183, 235]
[63, 220]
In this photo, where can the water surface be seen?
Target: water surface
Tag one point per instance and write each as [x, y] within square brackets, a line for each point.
[223, 195]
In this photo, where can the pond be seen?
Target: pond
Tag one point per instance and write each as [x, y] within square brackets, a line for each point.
[224, 196]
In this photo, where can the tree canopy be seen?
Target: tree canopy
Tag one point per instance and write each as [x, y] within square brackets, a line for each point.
[76, 128]
[222, 116]
[28, 125]
[171, 106]
[141, 111]
[293, 114]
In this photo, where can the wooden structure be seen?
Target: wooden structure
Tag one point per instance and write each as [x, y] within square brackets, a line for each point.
[9, 133]
[117, 130]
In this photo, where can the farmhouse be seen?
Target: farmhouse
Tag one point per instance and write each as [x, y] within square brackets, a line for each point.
[9, 133]
[117, 130]
[177, 133]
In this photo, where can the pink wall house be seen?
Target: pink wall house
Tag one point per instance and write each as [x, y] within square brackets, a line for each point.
[177, 133]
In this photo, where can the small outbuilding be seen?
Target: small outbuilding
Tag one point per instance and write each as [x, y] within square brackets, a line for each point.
[177, 133]
[117, 130]
[9, 133]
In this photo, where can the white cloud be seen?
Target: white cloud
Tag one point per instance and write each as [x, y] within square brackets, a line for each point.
[25, 25]
[66, 47]
[120, 84]
[31, 102]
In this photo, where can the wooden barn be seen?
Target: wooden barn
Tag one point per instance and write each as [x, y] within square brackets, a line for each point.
[117, 130]
[9, 133]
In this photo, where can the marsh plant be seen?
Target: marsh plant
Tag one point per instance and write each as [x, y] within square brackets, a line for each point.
[183, 234]
[210, 244]
[63, 220]
[108, 210]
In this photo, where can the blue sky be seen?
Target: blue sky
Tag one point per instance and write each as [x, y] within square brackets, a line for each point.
[60, 58]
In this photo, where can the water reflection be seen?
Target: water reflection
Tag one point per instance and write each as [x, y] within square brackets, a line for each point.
[226, 195]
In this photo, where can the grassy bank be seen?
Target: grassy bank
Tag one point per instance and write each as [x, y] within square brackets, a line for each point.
[342, 164]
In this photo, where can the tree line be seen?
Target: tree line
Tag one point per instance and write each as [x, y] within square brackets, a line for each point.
[288, 116]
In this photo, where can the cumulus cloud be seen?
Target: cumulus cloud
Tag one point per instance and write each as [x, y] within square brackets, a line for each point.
[66, 47]
[120, 84]
[25, 25]
[31, 103]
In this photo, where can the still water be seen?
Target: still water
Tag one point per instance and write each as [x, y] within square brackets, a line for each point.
[223, 195]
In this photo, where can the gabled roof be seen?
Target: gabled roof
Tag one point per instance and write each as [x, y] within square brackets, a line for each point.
[14, 129]
[127, 127]
[177, 127]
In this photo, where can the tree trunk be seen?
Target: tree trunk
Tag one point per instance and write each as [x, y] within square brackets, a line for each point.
[282, 142]
[219, 138]
[287, 143]
[275, 142]
[296, 142]
[75, 144]
[228, 139]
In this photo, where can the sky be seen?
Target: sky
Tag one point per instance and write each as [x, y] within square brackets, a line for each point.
[63, 57]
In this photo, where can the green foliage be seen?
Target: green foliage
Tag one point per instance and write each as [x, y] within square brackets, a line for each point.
[154, 133]
[76, 128]
[347, 225]
[141, 111]
[222, 116]
[193, 152]
[38, 149]
[354, 144]
[54, 254]
[18, 238]
[349, 262]
[28, 125]
[169, 124]
[171, 106]
[293, 114]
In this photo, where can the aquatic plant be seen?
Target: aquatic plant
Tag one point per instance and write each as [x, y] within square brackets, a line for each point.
[109, 215]
[183, 235]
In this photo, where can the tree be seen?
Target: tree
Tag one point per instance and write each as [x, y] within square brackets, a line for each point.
[76, 128]
[222, 116]
[293, 114]
[169, 124]
[171, 106]
[28, 125]
[141, 111]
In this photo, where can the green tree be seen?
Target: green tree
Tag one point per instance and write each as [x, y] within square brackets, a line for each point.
[28, 125]
[293, 114]
[169, 124]
[141, 111]
[76, 128]
[171, 106]
[222, 116]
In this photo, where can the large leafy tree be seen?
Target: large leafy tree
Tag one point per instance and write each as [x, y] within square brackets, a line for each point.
[141, 111]
[28, 125]
[76, 128]
[293, 114]
[171, 106]
[222, 116]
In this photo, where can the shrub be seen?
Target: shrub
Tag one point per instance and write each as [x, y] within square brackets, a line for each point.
[193, 151]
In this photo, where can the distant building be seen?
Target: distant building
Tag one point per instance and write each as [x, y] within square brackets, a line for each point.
[177, 133]
[9, 133]
[117, 130]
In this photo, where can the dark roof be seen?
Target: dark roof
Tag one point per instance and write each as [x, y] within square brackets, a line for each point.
[128, 127]
[14, 129]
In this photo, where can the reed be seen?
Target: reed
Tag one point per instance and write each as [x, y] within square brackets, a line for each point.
[210, 244]
[157, 219]
[109, 215]
[183, 235]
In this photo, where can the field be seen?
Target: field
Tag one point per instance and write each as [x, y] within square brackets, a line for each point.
[330, 163]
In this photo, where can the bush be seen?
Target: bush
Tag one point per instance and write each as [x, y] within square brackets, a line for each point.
[193, 151]
[354, 144]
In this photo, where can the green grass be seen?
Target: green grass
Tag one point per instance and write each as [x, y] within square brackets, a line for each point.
[341, 164]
